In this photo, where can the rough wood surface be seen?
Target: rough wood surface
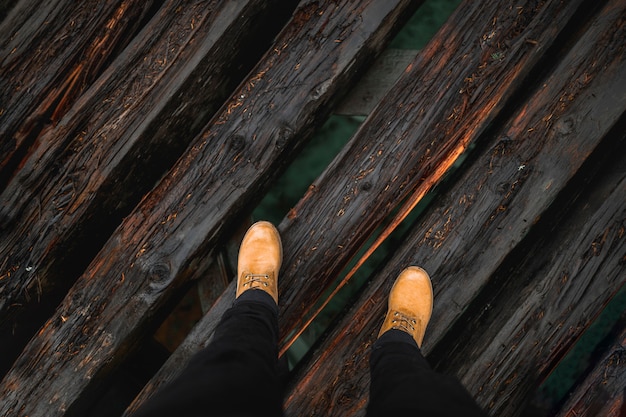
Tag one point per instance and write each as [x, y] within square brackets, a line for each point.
[88, 171]
[601, 393]
[385, 161]
[522, 336]
[168, 237]
[471, 229]
[49, 54]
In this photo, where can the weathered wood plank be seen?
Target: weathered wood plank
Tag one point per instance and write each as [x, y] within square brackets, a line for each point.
[168, 237]
[529, 328]
[473, 227]
[356, 193]
[84, 174]
[601, 393]
[49, 54]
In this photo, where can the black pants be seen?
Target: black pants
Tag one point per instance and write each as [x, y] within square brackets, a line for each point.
[237, 374]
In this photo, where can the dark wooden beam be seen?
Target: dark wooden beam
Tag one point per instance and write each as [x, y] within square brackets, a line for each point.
[536, 310]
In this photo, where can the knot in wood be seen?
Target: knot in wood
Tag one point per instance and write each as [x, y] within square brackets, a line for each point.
[366, 186]
[237, 143]
[320, 90]
[160, 276]
[565, 126]
[503, 187]
[282, 137]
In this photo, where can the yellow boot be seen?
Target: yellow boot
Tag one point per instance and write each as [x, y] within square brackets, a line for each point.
[260, 257]
[410, 304]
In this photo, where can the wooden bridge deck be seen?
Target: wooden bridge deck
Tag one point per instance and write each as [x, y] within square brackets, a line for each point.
[137, 137]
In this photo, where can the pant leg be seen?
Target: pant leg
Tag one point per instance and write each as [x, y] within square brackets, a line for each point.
[236, 375]
[402, 383]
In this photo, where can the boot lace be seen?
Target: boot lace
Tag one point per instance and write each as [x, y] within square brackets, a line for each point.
[403, 322]
[260, 279]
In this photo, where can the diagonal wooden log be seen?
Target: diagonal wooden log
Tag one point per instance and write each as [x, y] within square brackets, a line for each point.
[442, 104]
[166, 240]
[542, 307]
[49, 54]
[83, 175]
[601, 393]
[491, 208]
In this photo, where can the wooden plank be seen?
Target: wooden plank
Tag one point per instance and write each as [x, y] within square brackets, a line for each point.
[360, 188]
[530, 327]
[491, 208]
[601, 393]
[49, 54]
[167, 239]
[84, 174]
